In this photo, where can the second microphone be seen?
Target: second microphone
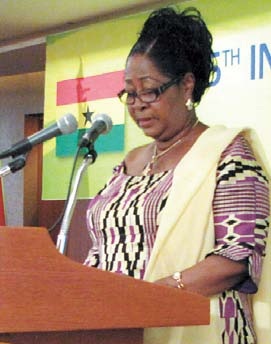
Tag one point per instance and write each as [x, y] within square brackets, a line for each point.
[101, 124]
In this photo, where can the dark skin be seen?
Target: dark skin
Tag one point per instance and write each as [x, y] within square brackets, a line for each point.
[166, 121]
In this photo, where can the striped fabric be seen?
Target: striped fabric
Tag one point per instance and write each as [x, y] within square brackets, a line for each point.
[241, 209]
[123, 219]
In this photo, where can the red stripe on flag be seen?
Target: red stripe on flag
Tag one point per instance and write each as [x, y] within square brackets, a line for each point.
[96, 87]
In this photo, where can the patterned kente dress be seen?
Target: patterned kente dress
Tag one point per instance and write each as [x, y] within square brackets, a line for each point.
[123, 220]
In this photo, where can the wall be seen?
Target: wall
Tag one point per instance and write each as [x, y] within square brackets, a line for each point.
[19, 95]
[243, 51]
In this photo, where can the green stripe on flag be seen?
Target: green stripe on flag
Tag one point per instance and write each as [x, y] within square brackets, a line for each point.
[66, 145]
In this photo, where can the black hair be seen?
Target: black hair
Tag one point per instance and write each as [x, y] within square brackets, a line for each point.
[178, 43]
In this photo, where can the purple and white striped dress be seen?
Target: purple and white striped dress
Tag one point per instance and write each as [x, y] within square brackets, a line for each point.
[123, 220]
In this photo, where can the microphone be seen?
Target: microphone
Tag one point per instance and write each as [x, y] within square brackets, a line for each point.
[64, 125]
[101, 124]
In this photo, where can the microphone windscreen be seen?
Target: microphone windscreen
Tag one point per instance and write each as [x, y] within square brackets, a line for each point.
[67, 124]
[107, 121]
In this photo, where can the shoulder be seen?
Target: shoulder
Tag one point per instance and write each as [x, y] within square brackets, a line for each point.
[137, 158]
[238, 147]
[238, 162]
[134, 153]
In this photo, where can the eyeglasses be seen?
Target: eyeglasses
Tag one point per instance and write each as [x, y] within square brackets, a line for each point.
[147, 96]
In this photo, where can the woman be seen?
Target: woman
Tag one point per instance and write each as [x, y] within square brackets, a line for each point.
[189, 210]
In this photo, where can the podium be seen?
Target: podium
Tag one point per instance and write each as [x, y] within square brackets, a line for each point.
[46, 297]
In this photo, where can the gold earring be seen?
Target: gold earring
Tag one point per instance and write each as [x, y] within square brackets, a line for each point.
[189, 104]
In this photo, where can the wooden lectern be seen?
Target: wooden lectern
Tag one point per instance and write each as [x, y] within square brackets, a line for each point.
[46, 297]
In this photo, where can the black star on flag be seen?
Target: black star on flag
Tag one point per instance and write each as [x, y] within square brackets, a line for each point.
[87, 116]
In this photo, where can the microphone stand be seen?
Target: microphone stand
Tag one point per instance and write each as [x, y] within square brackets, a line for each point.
[13, 166]
[62, 238]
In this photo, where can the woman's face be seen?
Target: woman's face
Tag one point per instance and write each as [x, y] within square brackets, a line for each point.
[164, 118]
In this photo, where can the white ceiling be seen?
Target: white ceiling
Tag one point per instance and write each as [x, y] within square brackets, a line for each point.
[25, 19]
[24, 25]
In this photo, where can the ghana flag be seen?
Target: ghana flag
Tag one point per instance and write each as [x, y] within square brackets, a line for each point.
[84, 73]
[99, 93]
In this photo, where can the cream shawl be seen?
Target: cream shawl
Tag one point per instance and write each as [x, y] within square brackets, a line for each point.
[186, 232]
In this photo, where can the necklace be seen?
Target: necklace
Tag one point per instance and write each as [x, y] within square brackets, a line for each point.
[156, 156]
[147, 169]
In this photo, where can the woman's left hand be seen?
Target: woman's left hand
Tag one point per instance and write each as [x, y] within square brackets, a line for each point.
[211, 276]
